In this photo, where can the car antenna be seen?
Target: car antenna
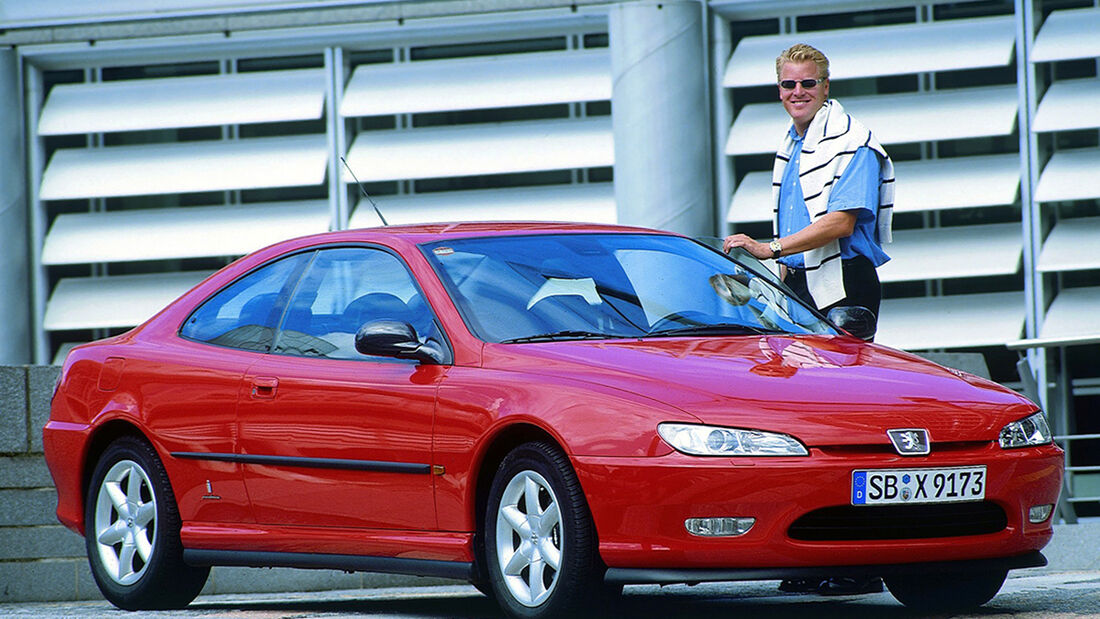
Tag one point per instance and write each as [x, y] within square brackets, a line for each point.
[364, 190]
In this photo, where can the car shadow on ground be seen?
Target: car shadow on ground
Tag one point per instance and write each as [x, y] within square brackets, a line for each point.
[701, 602]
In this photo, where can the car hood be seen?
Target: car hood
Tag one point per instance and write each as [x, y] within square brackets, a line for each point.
[826, 390]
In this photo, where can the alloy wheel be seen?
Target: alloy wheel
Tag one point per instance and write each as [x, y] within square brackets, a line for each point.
[125, 522]
[529, 538]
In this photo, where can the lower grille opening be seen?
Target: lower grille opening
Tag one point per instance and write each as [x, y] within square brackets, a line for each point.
[849, 522]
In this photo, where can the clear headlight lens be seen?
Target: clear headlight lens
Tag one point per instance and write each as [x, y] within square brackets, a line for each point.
[1027, 432]
[699, 440]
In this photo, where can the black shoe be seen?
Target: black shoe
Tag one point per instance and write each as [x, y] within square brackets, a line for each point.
[850, 586]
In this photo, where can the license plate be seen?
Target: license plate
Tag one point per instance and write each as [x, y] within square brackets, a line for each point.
[893, 486]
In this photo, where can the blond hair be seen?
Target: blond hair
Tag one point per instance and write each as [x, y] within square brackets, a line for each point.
[799, 53]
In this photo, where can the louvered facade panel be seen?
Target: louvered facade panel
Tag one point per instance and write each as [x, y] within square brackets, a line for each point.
[481, 137]
[170, 103]
[1069, 105]
[466, 150]
[1068, 34]
[1066, 59]
[957, 203]
[502, 81]
[185, 167]
[166, 186]
[956, 321]
[170, 170]
[894, 118]
[170, 233]
[590, 202]
[1073, 245]
[116, 301]
[961, 251]
[925, 185]
[882, 50]
[1072, 315]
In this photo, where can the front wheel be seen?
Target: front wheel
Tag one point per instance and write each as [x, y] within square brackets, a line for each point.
[946, 592]
[131, 530]
[540, 544]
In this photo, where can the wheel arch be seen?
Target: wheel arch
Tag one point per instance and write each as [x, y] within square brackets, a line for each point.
[500, 445]
[103, 436]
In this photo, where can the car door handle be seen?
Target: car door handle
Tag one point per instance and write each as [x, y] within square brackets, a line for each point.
[263, 387]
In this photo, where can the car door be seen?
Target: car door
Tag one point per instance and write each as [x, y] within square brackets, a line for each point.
[192, 385]
[330, 437]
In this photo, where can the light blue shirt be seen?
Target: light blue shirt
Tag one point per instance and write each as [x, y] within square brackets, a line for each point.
[857, 188]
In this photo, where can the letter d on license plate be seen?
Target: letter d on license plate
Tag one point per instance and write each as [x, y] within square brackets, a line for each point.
[891, 486]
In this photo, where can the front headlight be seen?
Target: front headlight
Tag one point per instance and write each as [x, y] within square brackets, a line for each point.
[717, 441]
[1027, 432]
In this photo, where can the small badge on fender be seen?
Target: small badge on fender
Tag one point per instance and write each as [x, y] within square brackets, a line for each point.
[210, 496]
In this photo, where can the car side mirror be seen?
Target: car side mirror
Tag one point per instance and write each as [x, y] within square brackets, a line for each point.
[394, 338]
[856, 320]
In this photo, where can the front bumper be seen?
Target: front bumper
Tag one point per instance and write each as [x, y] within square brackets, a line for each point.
[639, 506]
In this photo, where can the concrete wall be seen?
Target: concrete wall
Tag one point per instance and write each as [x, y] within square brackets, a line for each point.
[40, 560]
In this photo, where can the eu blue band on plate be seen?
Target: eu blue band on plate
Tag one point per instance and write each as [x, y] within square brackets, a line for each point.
[859, 488]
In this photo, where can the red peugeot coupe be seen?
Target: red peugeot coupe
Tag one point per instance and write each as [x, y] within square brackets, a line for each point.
[549, 411]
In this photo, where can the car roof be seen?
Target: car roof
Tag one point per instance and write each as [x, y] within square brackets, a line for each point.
[426, 233]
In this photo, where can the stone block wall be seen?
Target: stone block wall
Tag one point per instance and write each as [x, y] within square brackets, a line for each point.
[39, 558]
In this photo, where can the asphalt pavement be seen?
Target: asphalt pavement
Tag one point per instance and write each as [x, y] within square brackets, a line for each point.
[1027, 594]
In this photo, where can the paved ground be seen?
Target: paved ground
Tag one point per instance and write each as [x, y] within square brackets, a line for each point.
[1028, 594]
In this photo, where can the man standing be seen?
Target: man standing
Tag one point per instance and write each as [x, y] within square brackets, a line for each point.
[833, 187]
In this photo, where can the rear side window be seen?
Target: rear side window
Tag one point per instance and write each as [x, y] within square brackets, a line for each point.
[245, 314]
[343, 289]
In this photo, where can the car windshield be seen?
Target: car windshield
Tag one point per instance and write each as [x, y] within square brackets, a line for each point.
[577, 286]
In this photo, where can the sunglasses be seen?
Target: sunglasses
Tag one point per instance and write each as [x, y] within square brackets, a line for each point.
[806, 83]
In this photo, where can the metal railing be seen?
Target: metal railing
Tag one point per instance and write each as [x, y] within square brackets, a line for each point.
[1070, 487]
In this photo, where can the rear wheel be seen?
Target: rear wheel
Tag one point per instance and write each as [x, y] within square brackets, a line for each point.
[946, 592]
[132, 530]
[540, 545]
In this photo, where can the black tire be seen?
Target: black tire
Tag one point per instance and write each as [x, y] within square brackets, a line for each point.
[132, 532]
[946, 592]
[541, 565]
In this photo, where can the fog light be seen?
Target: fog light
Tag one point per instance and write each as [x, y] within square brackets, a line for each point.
[1039, 513]
[719, 527]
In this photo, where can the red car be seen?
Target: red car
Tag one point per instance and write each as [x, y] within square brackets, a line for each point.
[549, 411]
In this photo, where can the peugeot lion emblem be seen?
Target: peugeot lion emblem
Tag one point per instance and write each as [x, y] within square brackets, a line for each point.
[910, 441]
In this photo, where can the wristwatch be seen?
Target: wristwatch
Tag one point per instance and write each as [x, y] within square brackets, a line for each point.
[776, 247]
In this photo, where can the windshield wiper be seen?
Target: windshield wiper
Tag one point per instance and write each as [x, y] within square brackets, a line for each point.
[723, 328]
[567, 334]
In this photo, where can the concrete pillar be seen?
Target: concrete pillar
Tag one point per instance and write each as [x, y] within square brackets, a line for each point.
[15, 327]
[659, 114]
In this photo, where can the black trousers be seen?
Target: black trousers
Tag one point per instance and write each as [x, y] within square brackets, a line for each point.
[860, 284]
